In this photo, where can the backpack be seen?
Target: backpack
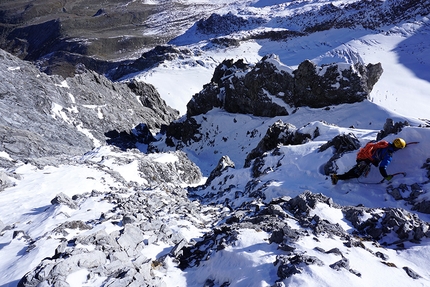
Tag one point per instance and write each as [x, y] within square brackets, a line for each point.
[369, 150]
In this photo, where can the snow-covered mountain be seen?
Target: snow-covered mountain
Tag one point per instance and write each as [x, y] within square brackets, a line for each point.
[103, 184]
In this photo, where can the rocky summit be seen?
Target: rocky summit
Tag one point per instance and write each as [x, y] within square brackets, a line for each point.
[104, 182]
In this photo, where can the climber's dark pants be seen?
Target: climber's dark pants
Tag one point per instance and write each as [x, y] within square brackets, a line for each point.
[356, 171]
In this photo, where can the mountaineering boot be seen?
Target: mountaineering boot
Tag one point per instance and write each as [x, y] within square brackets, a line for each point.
[334, 178]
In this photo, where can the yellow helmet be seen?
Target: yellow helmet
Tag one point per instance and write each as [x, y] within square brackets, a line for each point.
[399, 143]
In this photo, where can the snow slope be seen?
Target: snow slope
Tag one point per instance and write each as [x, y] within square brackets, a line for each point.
[248, 262]
[400, 94]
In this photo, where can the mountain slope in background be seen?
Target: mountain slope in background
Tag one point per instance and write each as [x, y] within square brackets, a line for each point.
[119, 191]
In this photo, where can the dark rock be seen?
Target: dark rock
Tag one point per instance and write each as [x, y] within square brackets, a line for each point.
[277, 236]
[343, 263]
[416, 191]
[186, 131]
[177, 249]
[223, 164]
[286, 247]
[314, 86]
[290, 265]
[391, 128]
[406, 225]
[244, 94]
[411, 273]
[395, 193]
[248, 94]
[288, 235]
[149, 97]
[322, 226]
[20, 234]
[226, 24]
[279, 133]
[209, 283]
[75, 224]
[61, 198]
[149, 59]
[241, 88]
[342, 144]
[286, 271]
[422, 206]
[381, 255]
[302, 204]
[204, 101]
[29, 45]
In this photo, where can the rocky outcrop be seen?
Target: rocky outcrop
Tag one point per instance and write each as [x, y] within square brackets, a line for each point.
[116, 254]
[224, 163]
[390, 227]
[46, 116]
[361, 13]
[279, 133]
[226, 24]
[148, 60]
[76, 33]
[342, 143]
[260, 90]
[391, 128]
[268, 88]
[381, 224]
[333, 84]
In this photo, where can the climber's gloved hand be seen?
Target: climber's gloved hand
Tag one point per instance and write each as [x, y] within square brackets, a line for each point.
[389, 177]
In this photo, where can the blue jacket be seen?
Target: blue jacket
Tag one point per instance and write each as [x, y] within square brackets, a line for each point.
[383, 157]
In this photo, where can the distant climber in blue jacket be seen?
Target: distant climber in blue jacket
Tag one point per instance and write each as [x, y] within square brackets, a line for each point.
[376, 153]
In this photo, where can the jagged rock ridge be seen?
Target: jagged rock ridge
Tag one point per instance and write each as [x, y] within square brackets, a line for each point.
[47, 116]
[267, 89]
[242, 88]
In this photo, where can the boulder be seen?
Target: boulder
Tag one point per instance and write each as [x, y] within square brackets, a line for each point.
[279, 133]
[61, 198]
[224, 163]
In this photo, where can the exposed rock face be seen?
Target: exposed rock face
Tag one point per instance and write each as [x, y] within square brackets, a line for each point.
[268, 88]
[45, 116]
[379, 226]
[278, 134]
[148, 60]
[75, 33]
[240, 88]
[224, 163]
[184, 131]
[333, 84]
[342, 144]
[361, 13]
[259, 89]
[391, 128]
[390, 226]
[149, 97]
[226, 24]
[117, 256]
